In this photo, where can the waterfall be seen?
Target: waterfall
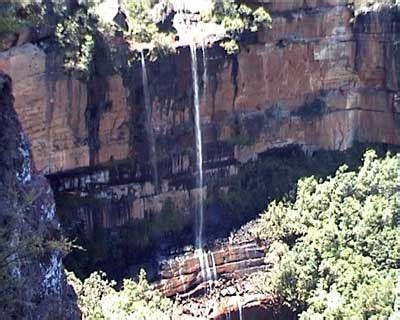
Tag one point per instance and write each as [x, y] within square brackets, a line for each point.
[199, 147]
[149, 128]
[199, 164]
[207, 272]
[207, 266]
[240, 309]
[200, 255]
[205, 68]
[214, 268]
[203, 256]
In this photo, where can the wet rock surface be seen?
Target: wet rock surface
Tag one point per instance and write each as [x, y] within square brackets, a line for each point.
[227, 286]
[241, 254]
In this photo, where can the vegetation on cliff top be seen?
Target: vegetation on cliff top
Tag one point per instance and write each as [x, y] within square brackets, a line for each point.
[76, 36]
[238, 20]
[334, 247]
[78, 24]
[16, 15]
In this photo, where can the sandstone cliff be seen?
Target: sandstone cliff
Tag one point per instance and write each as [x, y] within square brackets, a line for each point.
[320, 79]
[37, 287]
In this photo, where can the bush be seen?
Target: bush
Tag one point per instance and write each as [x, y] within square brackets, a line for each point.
[341, 243]
[230, 46]
[14, 16]
[143, 30]
[238, 19]
[75, 35]
[98, 298]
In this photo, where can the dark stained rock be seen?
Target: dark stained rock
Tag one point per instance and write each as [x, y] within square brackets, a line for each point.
[28, 225]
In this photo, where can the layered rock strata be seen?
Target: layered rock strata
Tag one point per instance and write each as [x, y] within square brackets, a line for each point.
[233, 263]
[37, 288]
[230, 261]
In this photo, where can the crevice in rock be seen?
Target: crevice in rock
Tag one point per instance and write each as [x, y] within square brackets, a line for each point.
[234, 76]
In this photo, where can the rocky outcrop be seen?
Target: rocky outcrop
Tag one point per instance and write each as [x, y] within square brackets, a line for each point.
[229, 261]
[37, 287]
[226, 287]
[320, 79]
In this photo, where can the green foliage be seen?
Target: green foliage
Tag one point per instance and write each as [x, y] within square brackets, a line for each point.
[144, 31]
[337, 243]
[76, 36]
[142, 27]
[98, 298]
[238, 19]
[14, 16]
[262, 17]
[90, 292]
[230, 46]
[20, 248]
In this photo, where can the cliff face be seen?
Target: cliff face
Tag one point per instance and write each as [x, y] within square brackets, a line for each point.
[320, 79]
[37, 287]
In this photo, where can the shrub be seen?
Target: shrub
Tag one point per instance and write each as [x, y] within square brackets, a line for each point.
[237, 19]
[342, 243]
[14, 16]
[98, 298]
[261, 17]
[142, 28]
[75, 35]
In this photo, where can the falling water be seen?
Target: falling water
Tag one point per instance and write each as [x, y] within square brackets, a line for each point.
[214, 268]
[205, 68]
[199, 151]
[240, 309]
[149, 128]
[199, 163]
[207, 266]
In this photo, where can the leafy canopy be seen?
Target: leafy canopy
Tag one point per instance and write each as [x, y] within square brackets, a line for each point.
[335, 246]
